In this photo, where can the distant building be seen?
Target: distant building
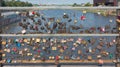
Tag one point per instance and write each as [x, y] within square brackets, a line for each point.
[105, 2]
[118, 2]
[0, 6]
[0, 2]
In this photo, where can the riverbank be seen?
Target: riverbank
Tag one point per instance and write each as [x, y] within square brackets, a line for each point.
[102, 12]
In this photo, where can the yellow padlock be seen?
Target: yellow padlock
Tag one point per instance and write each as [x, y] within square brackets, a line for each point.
[3, 42]
[25, 40]
[44, 40]
[37, 40]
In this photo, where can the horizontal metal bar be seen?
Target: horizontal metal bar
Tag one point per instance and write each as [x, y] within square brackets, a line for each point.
[60, 61]
[54, 7]
[52, 64]
[6, 35]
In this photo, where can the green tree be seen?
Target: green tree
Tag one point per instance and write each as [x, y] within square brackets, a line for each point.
[3, 3]
[88, 4]
[15, 3]
[75, 4]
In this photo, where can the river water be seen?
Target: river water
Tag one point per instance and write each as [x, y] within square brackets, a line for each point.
[92, 20]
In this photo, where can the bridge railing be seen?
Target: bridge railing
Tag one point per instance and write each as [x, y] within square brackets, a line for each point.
[61, 7]
[55, 7]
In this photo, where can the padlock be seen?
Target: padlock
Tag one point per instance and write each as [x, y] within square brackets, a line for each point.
[89, 58]
[44, 40]
[25, 40]
[3, 42]
[37, 40]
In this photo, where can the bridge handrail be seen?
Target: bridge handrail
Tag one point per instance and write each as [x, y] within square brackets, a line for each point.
[54, 7]
[6, 35]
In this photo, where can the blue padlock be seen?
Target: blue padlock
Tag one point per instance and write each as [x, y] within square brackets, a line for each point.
[18, 44]
[9, 60]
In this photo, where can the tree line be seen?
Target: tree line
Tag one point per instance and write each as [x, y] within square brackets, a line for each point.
[87, 4]
[14, 3]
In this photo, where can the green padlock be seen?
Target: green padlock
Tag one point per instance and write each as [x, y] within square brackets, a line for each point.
[111, 56]
[12, 52]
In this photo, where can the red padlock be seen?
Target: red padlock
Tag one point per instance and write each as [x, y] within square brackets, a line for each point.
[33, 12]
[82, 17]
[14, 49]
[38, 51]
[57, 58]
